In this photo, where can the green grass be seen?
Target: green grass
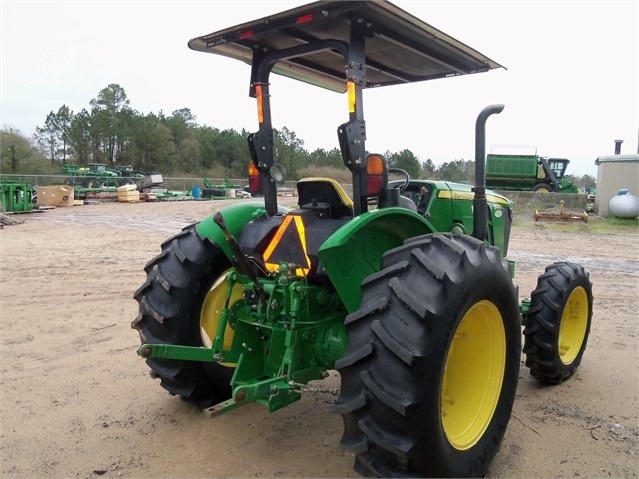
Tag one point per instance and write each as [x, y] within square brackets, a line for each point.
[613, 220]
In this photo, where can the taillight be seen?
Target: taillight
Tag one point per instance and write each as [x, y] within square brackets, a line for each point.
[373, 186]
[254, 178]
[376, 175]
[304, 18]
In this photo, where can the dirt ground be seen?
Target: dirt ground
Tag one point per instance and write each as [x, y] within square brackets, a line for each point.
[76, 400]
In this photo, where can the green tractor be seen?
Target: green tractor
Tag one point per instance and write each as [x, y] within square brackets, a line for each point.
[96, 175]
[407, 293]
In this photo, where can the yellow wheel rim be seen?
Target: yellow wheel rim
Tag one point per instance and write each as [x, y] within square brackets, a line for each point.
[473, 375]
[573, 325]
[211, 310]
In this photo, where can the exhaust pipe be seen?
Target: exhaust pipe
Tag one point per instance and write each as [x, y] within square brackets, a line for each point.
[618, 147]
[480, 216]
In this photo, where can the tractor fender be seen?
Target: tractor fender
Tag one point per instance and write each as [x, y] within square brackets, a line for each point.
[355, 250]
[235, 217]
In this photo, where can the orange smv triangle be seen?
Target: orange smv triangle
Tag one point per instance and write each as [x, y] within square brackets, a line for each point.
[289, 245]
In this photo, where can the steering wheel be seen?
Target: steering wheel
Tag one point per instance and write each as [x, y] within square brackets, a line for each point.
[401, 187]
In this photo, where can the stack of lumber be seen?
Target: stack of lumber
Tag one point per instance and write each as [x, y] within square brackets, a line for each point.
[128, 194]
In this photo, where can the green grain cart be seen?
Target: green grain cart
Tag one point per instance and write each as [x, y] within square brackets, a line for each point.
[528, 173]
[411, 300]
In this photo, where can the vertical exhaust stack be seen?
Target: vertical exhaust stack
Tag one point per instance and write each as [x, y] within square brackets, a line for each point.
[480, 216]
[618, 147]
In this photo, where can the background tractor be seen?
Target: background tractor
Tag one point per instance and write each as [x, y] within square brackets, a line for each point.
[410, 299]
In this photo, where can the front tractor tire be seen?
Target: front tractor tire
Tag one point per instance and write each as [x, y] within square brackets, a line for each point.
[429, 374]
[178, 305]
[558, 322]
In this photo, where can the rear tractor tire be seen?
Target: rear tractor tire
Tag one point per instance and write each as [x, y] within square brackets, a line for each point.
[179, 304]
[429, 374]
[558, 322]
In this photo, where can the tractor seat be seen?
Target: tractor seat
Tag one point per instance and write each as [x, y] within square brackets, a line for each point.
[325, 197]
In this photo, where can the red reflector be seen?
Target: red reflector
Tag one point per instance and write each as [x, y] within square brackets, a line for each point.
[254, 184]
[373, 185]
[246, 34]
[304, 18]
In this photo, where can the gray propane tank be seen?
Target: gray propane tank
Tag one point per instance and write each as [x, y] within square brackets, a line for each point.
[624, 205]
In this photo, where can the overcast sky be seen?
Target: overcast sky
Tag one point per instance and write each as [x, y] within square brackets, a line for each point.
[570, 85]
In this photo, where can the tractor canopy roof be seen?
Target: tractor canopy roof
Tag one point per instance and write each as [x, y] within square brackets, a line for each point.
[399, 48]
